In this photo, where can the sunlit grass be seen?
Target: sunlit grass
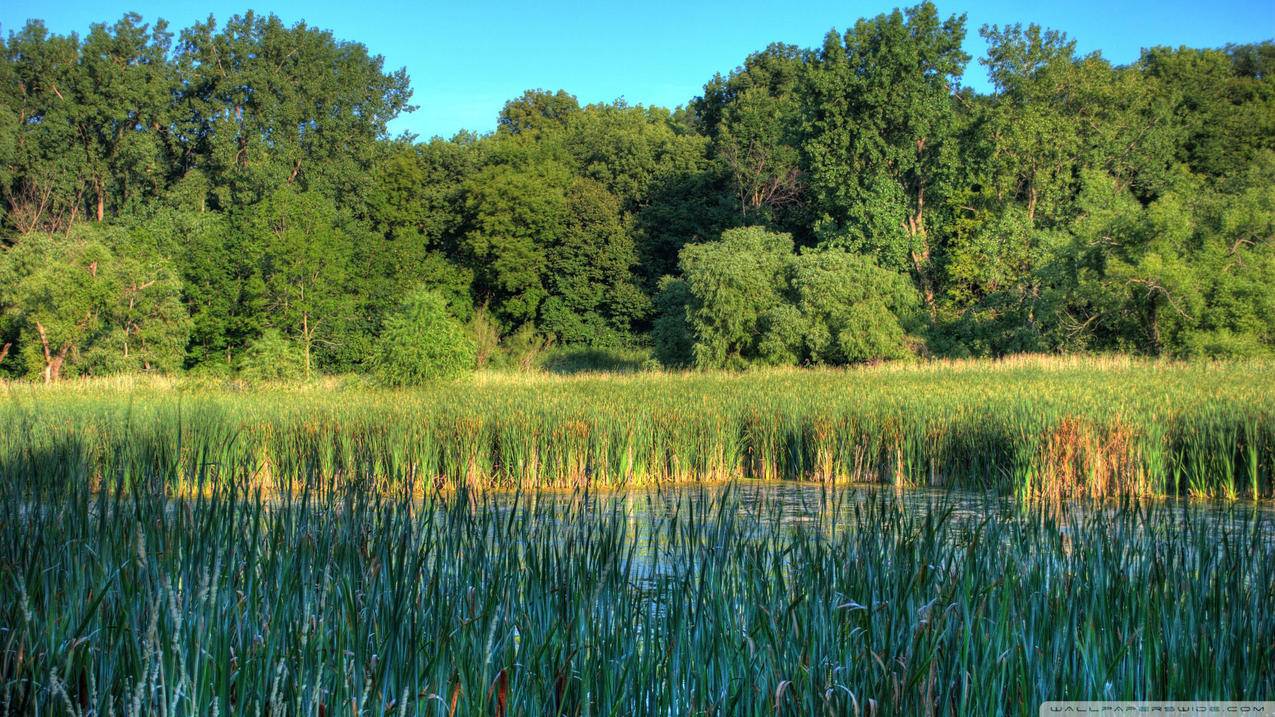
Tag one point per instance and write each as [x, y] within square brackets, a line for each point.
[1052, 427]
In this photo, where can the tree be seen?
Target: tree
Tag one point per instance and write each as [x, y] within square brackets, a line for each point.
[92, 302]
[511, 217]
[748, 298]
[879, 123]
[257, 116]
[537, 110]
[1223, 99]
[271, 357]
[45, 190]
[851, 310]
[754, 119]
[672, 336]
[733, 283]
[421, 342]
[1035, 126]
[303, 254]
[1186, 275]
[593, 295]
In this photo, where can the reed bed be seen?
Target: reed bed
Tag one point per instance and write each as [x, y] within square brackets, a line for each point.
[323, 601]
[1035, 426]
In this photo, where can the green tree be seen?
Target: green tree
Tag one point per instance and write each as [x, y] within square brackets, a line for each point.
[879, 127]
[512, 216]
[303, 251]
[672, 337]
[1224, 101]
[92, 302]
[593, 295]
[536, 111]
[734, 284]
[258, 115]
[421, 342]
[271, 357]
[754, 119]
[748, 299]
[851, 310]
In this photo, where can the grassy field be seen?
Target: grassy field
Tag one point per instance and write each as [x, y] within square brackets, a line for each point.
[176, 547]
[690, 603]
[1032, 426]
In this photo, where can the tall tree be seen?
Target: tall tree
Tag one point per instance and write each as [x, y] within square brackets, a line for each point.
[754, 119]
[256, 114]
[304, 263]
[879, 124]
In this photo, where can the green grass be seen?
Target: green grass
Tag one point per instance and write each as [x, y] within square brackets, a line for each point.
[345, 602]
[178, 547]
[1032, 426]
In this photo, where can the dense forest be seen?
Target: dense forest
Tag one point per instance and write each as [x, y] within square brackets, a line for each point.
[228, 198]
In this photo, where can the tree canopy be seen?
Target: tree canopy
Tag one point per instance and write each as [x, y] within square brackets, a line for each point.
[228, 197]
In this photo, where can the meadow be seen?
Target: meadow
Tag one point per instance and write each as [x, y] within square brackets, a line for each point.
[1036, 427]
[970, 538]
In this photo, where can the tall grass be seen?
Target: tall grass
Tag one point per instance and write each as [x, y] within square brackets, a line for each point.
[1039, 427]
[337, 601]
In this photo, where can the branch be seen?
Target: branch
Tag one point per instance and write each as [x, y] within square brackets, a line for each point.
[1154, 287]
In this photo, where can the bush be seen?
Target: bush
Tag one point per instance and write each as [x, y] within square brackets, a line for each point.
[524, 348]
[749, 299]
[571, 360]
[272, 357]
[421, 342]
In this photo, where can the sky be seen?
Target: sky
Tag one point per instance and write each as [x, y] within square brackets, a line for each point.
[466, 59]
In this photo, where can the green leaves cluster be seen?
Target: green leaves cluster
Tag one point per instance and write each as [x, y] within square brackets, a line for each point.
[93, 301]
[749, 299]
[422, 342]
[256, 203]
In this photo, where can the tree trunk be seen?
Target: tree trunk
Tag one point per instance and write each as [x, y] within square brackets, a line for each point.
[52, 362]
[48, 356]
[915, 226]
[305, 340]
[53, 372]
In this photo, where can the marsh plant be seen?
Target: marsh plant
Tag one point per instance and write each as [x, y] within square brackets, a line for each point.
[1038, 427]
[317, 601]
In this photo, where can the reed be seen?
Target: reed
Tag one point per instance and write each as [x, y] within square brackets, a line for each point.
[325, 600]
[1057, 428]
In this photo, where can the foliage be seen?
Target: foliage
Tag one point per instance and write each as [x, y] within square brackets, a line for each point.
[421, 342]
[1077, 206]
[748, 299]
[94, 301]
[272, 357]
[851, 309]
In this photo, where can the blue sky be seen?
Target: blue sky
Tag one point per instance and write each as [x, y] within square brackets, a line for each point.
[467, 58]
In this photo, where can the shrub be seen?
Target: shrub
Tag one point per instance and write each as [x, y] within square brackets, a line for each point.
[272, 357]
[421, 342]
[748, 299]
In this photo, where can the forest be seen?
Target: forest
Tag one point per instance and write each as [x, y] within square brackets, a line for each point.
[228, 199]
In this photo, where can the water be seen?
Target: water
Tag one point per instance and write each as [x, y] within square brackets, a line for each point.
[781, 513]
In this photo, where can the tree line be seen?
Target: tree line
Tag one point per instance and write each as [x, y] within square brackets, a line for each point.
[228, 198]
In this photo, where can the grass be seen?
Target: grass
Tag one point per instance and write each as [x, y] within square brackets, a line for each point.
[325, 602]
[1042, 427]
[184, 547]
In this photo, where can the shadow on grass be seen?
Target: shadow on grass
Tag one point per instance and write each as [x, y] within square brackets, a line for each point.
[591, 360]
